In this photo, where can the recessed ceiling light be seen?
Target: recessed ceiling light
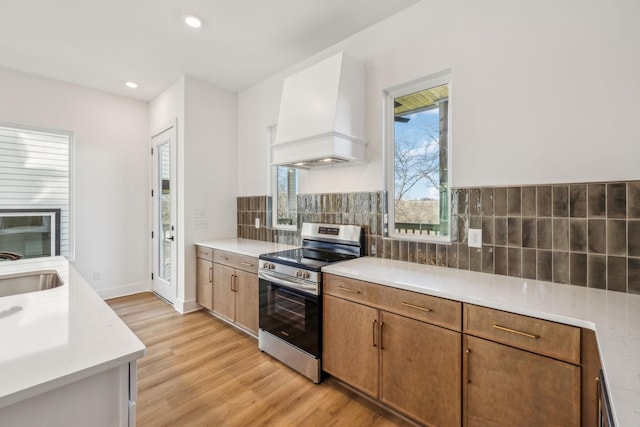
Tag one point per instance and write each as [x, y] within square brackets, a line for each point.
[193, 21]
[132, 85]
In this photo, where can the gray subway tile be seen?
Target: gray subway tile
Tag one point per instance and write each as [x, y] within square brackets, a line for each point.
[545, 234]
[561, 267]
[529, 233]
[633, 238]
[617, 237]
[633, 200]
[578, 269]
[463, 256]
[500, 231]
[487, 230]
[597, 271]
[617, 200]
[596, 200]
[560, 234]
[596, 235]
[514, 201]
[543, 200]
[487, 201]
[578, 201]
[545, 265]
[617, 273]
[500, 257]
[529, 264]
[514, 262]
[578, 235]
[514, 235]
[633, 276]
[475, 202]
[560, 200]
[529, 201]
[500, 201]
[487, 259]
[475, 259]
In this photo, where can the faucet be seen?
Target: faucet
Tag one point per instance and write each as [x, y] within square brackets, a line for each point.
[10, 256]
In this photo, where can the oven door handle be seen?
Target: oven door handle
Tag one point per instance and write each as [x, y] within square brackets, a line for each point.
[294, 284]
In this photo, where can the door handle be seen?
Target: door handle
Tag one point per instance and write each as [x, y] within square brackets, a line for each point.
[375, 344]
[172, 238]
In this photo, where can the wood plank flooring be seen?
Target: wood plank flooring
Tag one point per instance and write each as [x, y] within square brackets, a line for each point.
[199, 371]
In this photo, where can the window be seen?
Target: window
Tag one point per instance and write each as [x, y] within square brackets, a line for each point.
[35, 192]
[284, 191]
[417, 151]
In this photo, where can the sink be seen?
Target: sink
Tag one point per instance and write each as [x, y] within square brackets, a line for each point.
[31, 281]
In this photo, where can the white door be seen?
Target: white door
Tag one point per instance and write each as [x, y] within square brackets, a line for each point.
[164, 215]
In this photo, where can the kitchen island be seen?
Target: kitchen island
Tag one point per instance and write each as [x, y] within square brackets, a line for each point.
[66, 358]
[614, 316]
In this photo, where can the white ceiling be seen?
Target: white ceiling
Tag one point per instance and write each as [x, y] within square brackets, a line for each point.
[103, 43]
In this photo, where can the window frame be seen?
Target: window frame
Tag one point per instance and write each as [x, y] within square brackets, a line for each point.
[272, 179]
[389, 95]
[71, 253]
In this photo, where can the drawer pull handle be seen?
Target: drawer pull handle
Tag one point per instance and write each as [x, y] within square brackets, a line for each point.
[417, 307]
[513, 331]
[248, 264]
[210, 274]
[342, 288]
[224, 258]
[375, 344]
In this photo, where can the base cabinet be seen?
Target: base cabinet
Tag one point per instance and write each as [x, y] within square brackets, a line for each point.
[409, 365]
[235, 289]
[204, 277]
[519, 370]
[505, 386]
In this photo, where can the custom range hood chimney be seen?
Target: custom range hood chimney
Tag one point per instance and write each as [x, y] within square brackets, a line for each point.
[322, 116]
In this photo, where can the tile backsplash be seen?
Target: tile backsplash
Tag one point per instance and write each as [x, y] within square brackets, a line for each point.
[585, 234]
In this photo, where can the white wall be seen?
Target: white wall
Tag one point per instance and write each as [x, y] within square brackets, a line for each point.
[111, 173]
[207, 156]
[542, 92]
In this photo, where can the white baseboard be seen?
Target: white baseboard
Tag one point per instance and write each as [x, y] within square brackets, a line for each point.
[185, 307]
[124, 290]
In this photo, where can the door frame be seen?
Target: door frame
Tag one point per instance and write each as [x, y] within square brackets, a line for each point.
[166, 290]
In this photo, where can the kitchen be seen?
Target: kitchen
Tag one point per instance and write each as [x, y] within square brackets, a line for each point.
[534, 103]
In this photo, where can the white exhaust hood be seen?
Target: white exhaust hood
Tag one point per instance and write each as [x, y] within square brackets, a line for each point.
[322, 116]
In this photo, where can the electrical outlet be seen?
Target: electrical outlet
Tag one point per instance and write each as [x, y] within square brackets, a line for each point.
[373, 250]
[475, 238]
[257, 222]
[97, 275]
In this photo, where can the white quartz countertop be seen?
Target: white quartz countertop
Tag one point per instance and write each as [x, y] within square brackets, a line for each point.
[614, 316]
[58, 336]
[247, 247]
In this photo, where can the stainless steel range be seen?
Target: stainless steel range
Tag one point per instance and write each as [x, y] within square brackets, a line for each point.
[290, 294]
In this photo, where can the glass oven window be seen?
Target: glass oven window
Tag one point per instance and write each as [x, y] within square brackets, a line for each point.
[288, 308]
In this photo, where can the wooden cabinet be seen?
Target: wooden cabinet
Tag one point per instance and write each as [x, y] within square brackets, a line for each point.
[590, 388]
[519, 370]
[204, 277]
[235, 289]
[388, 343]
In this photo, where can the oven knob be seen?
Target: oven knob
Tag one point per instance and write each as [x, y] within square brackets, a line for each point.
[305, 275]
[298, 273]
[270, 266]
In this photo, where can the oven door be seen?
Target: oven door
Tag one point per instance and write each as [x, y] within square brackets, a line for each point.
[291, 315]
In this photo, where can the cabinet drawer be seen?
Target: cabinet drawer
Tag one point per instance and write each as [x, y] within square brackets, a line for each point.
[351, 289]
[241, 262]
[434, 310]
[528, 333]
[438, 311]
[204, 253]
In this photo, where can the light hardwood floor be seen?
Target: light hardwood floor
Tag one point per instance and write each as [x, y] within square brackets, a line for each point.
[199, 371]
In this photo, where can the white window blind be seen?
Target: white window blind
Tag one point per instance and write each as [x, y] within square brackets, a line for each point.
[35, 173]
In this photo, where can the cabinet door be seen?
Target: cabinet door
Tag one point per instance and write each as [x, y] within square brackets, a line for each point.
[223, 296]
[204, 283]
[350, 343]
[420, 370]
[246, 287]
[503, 386]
